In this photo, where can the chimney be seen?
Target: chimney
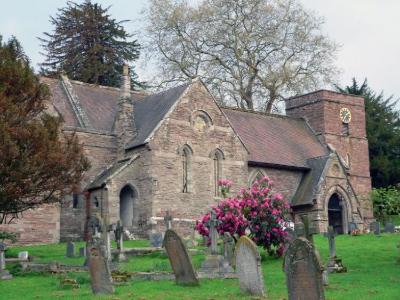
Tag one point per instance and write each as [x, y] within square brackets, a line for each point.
[124, 124]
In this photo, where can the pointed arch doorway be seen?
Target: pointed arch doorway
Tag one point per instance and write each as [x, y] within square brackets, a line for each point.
[337, 214]
[127, 199]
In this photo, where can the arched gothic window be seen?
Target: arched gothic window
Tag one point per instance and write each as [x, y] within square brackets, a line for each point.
[186, 155]
[217, 157]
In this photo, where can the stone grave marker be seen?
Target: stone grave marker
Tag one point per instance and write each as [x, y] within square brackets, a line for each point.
[229, 249]
[352, 226]
[309, 230]
[156, 239]
[100, 275]
[168, 220]
[303, 271]
[119, 238]
[4, 274]
[376, 228]
[70, 249]
[213, 262]
[389, 227]
[23, 255]
[334, 264]
[82, 252]
[179, 259]
[248, 267]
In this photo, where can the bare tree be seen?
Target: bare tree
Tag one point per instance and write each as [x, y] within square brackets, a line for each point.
[249, 52]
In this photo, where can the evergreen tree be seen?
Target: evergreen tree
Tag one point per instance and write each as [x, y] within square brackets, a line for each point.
[383, 133]
[38, 163]
[88, 45]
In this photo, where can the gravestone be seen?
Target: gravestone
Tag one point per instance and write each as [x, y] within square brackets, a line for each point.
[168, 220]
[290, 237]
[375, 227]
[389, 227]
[248, 267]
[156, 239]
[119, 239]
[352, 226]
[4, 274]
[82, 252]
[303, 271]
[100, 275]
[229, 249]
[70, 249]
[334, 264]
[213, 262]
[23, 255]
[304, 230]
[179, 259]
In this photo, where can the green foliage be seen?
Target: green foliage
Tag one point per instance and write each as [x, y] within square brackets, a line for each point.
[383, 133]
[88, 45]
[386, 202]
[38, 163]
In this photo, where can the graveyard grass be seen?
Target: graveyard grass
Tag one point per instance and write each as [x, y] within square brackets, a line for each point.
[373, 273]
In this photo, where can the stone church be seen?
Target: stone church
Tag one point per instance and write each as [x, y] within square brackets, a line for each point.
[165, 152]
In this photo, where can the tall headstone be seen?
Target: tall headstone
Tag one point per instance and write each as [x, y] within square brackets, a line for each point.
[213, 262]
[119, 239]
[389, 227]
[70, 249]
[156, 239]
[100, 274]
[168, 220]
[334, 264]
[248, 267]
[303, 271]
[179, 259]
[4, 274]
[375, 227]
[229, 249]
[309, 230]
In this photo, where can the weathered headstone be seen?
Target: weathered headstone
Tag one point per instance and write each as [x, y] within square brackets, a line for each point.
[23, 255]
[213, 262]
[82, 252]
[303, 271]
[119, 238]
[376, 228]
[100, 275]
[4, 274]
[334, 264]
[352, 226]
[389, 227]
[156, 239]
[70, 249]
[309, 230]
[179, 259]
[229, 250]
[248, 267]
[168, 220]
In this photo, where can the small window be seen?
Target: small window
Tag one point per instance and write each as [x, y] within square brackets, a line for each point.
[186, 159]
[75, 200]
[217, 157]
[345, 129]
[96, 202]
[201, 121]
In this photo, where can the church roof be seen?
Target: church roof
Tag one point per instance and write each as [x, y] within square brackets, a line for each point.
[151, 111]
[276, 140]
[100, 104]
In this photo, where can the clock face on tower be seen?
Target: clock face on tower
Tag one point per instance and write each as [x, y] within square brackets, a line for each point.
[345, 115]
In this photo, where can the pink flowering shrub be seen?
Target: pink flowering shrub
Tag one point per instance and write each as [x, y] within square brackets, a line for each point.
[255, 211]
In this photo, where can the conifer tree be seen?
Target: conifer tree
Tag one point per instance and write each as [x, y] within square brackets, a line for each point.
[88, 45]
[38, 163]
[383, 133]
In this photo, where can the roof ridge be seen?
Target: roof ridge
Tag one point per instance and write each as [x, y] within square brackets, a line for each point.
[324, 90]
[117, 89]
[262, 113]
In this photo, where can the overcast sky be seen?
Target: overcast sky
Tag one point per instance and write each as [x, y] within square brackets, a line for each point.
[367, 30]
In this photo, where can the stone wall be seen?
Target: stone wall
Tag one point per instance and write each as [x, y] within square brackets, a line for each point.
[180, 129]
[100, 149]
[38, 226]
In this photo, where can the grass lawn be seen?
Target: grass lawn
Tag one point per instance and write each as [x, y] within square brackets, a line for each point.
[371, 261]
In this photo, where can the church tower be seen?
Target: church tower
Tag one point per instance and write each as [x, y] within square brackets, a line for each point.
[339, 121]
[124, 123]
